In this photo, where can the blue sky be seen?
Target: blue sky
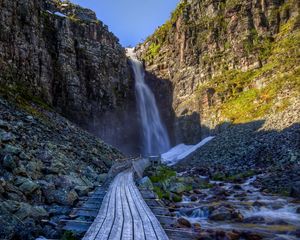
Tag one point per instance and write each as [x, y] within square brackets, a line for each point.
[131, 20]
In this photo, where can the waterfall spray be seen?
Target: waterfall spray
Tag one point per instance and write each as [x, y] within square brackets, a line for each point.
[155, 136]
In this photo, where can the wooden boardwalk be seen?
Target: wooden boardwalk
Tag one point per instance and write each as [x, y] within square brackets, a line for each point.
[124, 214]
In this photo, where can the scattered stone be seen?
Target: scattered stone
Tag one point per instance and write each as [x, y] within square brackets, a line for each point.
[183, 222]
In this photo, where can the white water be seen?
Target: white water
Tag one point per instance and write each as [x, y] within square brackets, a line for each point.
[182, 151]
[155, 136]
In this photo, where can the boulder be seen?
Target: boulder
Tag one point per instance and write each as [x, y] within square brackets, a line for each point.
[29, 187]
[183, 222]
[9, 162]
[223, 213]
[145, 183]
[82, 190]
[61, 197]
[178, 188]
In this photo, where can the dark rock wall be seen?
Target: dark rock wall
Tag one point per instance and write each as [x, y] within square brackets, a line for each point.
[61, 54]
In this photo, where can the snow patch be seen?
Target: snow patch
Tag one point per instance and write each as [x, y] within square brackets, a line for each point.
[57, 13]
[182, 151]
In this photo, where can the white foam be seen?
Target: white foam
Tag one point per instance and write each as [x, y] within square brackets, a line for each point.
[182, 151]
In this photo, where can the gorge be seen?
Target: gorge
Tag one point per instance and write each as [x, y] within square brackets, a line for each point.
[214, 91]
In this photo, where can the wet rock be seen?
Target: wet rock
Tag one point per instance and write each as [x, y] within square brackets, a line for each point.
[233, 235]
[183, 222]
[223, 213]
[254, 219]
[197, 226]
[194, 198]
[251, 236]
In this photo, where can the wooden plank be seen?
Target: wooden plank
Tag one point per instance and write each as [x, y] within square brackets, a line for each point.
[128, 226]
[160, 233]
[95, 227]
[138, 228]
[105, 229]
[147, 224]
[124, 214]
[117, 227]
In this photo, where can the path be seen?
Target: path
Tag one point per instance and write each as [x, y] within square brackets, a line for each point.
[124, 214]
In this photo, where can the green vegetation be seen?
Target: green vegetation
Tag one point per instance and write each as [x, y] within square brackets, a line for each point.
[161, 33]
[68, 235]
[162, 174]
[249, 95]
[233, 178]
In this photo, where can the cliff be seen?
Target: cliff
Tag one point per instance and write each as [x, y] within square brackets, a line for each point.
[222, 62]
[59, 54]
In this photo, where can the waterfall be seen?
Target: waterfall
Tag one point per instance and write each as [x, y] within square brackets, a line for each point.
[155, 136]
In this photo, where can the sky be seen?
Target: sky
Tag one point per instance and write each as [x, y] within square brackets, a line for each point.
[132, 21]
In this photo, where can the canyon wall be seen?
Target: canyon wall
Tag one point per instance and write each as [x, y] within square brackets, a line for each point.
[58, 54]
[224, 62]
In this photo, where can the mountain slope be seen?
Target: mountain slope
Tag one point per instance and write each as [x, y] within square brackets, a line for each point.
[227, 61]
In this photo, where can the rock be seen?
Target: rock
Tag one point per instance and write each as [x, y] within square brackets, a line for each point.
[178, 188]
[251, 236]
[295, 190]
[194, 198]
[197, 226]
[9, 162]
[13, 150]
[82, 190]
[6, 137]
[61, 197]
[298, 210]
[145, 183]
[254, 219]
[233, 235]
[39, 212]
[183, 222]
[203, 180]
[223, 213]
[24, 211]
[29, 187]
[102, 177]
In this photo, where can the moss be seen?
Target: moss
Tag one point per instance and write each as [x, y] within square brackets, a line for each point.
[206, 185]
[176, 198]
[68, 235]
[232, 178]
[162, 174]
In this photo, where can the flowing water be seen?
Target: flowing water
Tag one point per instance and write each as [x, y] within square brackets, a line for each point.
[155, 136]
[271, 216]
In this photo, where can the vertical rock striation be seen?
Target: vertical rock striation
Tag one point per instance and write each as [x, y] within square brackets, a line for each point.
[227, 61]
[59, 53]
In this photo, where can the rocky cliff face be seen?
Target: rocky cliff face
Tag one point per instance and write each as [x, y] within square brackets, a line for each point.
[226, 61]
[59, 53]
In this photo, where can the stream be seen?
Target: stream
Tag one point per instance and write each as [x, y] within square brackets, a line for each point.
[242, 208]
